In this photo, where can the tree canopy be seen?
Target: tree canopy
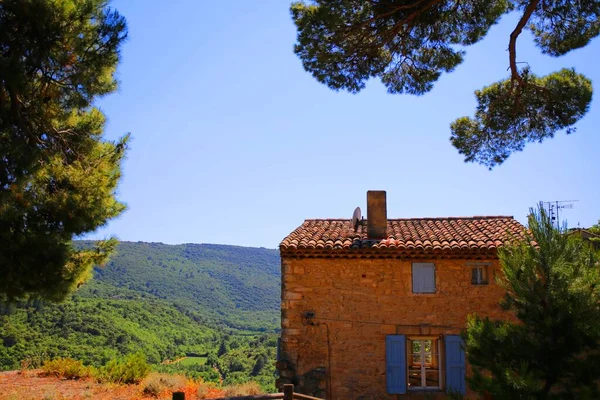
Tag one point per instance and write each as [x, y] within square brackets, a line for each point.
[552, 349]
[596, 228]
[408, 44]
[58, 175]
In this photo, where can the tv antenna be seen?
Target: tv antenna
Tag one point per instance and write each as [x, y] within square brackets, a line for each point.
[555, 206]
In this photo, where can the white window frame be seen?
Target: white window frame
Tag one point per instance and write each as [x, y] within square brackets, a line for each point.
[483, 278]
[423, 354]
[421, 265]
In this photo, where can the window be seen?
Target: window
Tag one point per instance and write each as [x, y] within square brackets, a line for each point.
[423, 277]
[479, 274]
[424, 370]
[415, 363]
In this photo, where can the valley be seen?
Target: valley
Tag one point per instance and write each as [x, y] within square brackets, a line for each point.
[216, 305]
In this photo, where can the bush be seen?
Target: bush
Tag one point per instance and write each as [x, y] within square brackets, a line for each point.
[202, 392]
[67, 368]
[196, 372]
[208, 391]
[245, 389]
[156, 383]
[131, 370]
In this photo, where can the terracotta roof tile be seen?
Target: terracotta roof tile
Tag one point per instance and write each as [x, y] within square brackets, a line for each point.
[413, 235]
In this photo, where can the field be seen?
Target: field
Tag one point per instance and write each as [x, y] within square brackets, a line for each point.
[193, 361]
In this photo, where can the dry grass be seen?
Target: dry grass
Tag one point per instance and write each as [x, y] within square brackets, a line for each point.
[157, 384]
[244, 389]
[36, 385]
[208, 391]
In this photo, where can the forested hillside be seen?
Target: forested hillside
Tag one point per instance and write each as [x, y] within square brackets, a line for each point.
[220, 302]
[231, 285]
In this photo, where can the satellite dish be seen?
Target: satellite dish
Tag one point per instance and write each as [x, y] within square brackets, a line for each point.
[356, 217]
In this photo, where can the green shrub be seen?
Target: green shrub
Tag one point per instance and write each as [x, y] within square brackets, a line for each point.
[67, 368]
[132, 369]
[195, 371]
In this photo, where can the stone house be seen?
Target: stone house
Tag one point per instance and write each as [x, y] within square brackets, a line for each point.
[585, 234]
[375, 311]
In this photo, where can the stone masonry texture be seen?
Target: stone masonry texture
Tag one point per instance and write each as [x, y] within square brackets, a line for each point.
[336, 313]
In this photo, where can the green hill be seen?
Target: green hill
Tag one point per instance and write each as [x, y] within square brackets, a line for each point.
[231, 285]
[165, 301]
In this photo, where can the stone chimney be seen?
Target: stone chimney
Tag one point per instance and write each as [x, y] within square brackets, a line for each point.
[376, 214]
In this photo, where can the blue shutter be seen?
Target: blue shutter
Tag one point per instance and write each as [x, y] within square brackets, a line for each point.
[396, 364]
[423, 277]
[417, 279]
[429, 276]
[455, 365]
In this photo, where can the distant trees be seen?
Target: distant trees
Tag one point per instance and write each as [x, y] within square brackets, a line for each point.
[553, 351]
[595, 229]
[408, 44]
[58, 175]
[95, 329]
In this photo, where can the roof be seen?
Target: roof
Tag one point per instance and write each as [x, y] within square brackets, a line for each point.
[445, 237]
[583, 232]
[586, 235]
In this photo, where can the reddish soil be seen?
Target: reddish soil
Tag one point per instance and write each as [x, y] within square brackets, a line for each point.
[30, 385]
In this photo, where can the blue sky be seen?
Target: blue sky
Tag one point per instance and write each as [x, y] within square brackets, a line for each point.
[234, 143]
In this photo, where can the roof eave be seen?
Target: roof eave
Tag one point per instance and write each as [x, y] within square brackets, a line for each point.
[466, 253]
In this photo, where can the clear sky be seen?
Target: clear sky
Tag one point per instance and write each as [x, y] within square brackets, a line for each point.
[234, 143]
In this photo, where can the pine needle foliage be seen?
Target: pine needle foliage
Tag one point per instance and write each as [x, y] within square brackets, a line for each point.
[58, 176]
[409, 44]
[552, 348]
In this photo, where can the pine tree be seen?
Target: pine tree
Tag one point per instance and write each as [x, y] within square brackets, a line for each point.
[222, 349]
[409, 44]
[552, 350]
[58, 176]
[258, 366]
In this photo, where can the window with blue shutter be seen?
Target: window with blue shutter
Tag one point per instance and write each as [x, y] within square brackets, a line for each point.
[423, 277]
[396, 364]
[455, 365]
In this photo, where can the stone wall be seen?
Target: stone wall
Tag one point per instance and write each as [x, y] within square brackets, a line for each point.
[336, 313]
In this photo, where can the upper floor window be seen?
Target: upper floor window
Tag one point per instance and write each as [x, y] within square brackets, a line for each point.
[479, 274]
[423, 277]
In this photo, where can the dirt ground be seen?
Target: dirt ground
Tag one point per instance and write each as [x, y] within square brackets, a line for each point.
[29, 385]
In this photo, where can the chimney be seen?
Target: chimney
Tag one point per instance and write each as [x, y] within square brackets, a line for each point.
[376, 214]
